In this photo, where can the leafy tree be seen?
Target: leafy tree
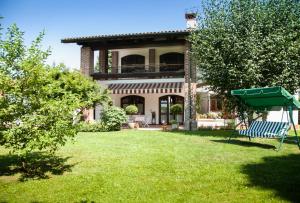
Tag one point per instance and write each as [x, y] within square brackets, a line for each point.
[37, 102]
[246, 44]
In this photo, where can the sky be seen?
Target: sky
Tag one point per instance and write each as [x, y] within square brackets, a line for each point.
[75, 18]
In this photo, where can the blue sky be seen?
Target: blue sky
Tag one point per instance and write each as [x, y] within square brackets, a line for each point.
[73, 18]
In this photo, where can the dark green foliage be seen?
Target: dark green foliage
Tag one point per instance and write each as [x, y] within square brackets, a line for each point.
[176, 109]
[245, 44]
[113, 117]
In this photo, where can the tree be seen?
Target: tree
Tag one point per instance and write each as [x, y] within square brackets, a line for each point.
[246, 44]
[37, 102]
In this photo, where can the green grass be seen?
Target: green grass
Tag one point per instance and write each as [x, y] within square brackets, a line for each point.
[150, 166]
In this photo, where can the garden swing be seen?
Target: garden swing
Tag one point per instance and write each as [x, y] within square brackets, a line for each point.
[265, 99]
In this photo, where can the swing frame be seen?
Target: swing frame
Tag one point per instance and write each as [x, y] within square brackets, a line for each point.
[265, 98]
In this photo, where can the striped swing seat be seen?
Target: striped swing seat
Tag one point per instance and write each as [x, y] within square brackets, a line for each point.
[266, 129]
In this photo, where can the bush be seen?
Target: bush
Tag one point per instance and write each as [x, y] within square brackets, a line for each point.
[91, 127]
[112, 118]
[131, 109]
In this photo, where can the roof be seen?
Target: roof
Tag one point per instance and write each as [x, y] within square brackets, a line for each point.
[125, 36]
[260, 98]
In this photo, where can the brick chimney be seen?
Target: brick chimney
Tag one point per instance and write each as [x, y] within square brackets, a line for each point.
[191, 20]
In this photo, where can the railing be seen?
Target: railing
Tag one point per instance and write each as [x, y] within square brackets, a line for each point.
[138, 68]
[145, 71]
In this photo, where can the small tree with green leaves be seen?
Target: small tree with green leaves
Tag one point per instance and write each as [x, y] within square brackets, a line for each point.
[37, 102]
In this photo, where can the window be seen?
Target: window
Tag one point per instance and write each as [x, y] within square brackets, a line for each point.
[133, 63]
[134, 100]
[171, 61]
[215, 103]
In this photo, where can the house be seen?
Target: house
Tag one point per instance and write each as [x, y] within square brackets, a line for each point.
[151, 70]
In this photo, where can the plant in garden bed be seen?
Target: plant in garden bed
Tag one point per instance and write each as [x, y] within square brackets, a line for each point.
[112, 118]
[91, 127]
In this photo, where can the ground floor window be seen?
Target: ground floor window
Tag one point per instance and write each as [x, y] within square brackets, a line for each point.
[134, 100]
[165, 104]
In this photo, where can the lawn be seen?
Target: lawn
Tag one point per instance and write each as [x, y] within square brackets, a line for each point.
[154, 166]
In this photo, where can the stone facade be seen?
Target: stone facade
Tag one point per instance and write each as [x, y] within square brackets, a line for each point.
[189, 89]
[87, 68]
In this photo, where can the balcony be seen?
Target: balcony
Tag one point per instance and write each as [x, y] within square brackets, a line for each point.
[142, 71]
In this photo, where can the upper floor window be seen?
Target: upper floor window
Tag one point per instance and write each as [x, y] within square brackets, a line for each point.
[171, 62]
[133, 63]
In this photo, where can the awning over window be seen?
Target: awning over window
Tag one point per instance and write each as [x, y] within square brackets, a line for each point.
[146, 88]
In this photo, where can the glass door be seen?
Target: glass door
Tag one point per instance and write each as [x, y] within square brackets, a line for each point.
[165, 104]
[164, 109]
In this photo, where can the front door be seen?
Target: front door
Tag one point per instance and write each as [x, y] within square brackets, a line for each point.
[165, 104]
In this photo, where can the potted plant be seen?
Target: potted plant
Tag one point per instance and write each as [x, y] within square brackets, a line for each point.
[174, 124]
[131, 110]
[175, 110]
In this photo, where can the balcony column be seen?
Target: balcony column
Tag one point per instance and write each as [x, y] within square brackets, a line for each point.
[115, 61]
[189, 90]
[151, 67]
[103, 60]
[87, 68]
[86, 61]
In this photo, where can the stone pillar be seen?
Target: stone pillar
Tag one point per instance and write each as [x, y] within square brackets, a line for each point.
[87, 68]
[87, 61]
[152, 60]
[115, 61]
[103, 60]
[189, 90]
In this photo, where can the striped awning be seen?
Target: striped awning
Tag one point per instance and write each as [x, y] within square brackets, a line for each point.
[146, 88]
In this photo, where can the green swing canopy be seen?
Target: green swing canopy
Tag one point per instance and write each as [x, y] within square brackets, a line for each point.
[265, 98]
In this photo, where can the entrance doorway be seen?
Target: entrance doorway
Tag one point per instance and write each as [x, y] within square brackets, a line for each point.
[165, 104]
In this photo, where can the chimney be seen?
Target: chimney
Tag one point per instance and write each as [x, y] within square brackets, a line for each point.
[191, 20]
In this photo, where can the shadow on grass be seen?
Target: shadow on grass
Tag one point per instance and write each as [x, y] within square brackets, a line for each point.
[205, 133]
[246, 143]
[280, 174]
[38, 166]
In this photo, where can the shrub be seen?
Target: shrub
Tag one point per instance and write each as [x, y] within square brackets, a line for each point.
[176, 109]
[91, 127]
[131, 109]
[112, 118]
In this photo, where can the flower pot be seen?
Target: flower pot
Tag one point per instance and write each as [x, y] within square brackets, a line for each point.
[174, 126]
[131, 125]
